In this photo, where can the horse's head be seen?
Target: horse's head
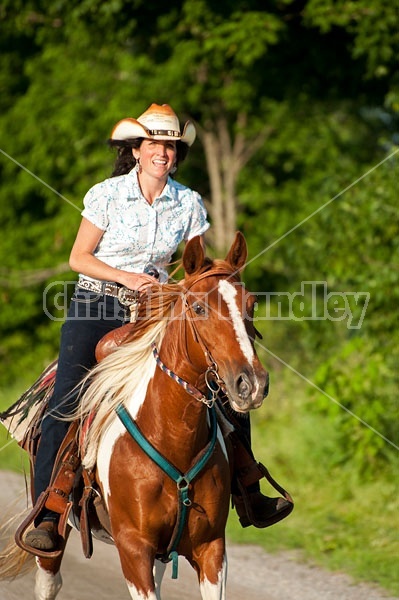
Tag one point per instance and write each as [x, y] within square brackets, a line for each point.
[220, 312]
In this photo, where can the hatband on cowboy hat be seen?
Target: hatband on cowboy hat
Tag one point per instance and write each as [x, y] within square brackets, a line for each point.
[156, 123]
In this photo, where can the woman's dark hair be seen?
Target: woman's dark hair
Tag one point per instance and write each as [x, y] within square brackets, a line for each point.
[125, 160]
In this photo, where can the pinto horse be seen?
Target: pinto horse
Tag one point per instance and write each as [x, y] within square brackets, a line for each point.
[189, 340]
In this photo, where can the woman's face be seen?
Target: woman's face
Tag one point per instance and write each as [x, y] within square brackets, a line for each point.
[157, 157]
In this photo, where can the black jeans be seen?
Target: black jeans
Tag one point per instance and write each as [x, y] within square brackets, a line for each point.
[90, 317]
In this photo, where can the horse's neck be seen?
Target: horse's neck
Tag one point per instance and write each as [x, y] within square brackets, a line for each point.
[167, 400]
[170, 417]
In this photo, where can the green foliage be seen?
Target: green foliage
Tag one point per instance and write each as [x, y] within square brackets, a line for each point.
[374, 25]
[365, 383]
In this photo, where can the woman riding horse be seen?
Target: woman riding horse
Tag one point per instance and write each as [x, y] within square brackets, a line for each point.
[132, 224]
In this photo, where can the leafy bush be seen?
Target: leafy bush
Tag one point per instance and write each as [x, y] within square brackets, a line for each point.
[359, 395]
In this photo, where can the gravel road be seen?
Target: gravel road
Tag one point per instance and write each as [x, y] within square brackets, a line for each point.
[253, 573]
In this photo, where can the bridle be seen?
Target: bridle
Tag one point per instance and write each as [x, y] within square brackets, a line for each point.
[213, 381]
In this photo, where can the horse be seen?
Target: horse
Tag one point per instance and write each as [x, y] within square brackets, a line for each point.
[153, 447]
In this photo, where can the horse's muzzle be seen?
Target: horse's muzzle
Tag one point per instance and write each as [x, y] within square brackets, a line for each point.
[249, 391]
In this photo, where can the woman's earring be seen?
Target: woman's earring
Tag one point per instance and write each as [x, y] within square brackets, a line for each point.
[173, 169]
[137, 167]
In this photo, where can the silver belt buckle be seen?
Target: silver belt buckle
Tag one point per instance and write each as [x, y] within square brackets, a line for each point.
[125, 298]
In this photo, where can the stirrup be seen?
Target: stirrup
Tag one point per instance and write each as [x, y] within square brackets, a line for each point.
[259, 510]
[245, 500]
[27, 524]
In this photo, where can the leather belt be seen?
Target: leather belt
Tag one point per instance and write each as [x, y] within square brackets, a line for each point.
[125, 296]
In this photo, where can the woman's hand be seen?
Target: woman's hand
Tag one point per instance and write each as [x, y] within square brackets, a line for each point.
[136, 281]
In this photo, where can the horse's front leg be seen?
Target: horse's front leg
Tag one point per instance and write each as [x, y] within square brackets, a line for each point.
[48, 580]
[47, 583]
[211, 566]
[137, 562]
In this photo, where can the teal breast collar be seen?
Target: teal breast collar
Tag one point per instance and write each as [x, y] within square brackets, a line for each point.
[182, 480]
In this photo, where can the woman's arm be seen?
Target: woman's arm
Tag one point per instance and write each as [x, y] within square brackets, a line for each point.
[82, 259]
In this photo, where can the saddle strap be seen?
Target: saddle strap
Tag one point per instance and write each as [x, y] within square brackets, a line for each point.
[84, 521]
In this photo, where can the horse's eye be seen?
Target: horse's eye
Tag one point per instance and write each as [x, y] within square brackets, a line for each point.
[198, 309]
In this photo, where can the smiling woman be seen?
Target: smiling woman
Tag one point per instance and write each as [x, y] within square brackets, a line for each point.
[155, 159]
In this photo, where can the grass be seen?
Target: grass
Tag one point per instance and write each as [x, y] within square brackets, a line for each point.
[341, 521]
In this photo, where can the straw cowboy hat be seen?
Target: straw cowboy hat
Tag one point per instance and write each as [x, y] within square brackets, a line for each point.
[156, 123]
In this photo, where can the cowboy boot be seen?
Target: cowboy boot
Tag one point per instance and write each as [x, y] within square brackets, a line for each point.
[44, 536]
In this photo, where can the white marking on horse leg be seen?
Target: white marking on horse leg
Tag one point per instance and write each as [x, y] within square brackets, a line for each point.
[215, 591]
[228, 293]
[47, 585]
[136, 595]
[159, 572]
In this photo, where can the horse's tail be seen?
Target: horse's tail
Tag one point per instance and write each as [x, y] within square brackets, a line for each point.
[14, 562]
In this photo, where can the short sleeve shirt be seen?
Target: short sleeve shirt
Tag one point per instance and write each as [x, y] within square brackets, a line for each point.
[137, 233]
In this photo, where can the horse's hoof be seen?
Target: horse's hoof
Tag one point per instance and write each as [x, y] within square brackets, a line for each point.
[43, 537]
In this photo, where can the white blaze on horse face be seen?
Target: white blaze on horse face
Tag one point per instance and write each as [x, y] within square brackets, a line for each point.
[229, 293]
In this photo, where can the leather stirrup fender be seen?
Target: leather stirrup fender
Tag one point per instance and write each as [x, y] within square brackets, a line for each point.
[65, 467]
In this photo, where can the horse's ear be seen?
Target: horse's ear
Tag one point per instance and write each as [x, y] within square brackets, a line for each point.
[193, 255]
[238, 252]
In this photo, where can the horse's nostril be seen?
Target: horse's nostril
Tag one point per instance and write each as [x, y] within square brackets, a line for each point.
[244, 386]
[266, 388]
